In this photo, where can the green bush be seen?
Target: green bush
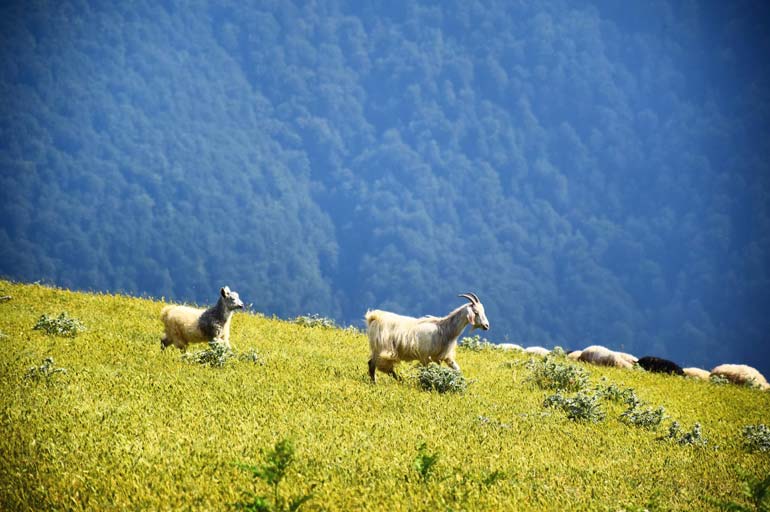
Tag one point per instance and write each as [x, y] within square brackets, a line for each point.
[719, 380]
[476, 343]
[315, 320]
[581, 407]
[550, 374]
[62, 325]
[647, 418]
[273, 471]
[44, 371]
[616, 394]
[441, 379]
[424, 462]
[757, 437]
[692, 438]
[216, 356]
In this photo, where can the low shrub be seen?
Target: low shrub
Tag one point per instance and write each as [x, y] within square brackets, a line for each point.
[44, 371]
[757, 437]
[476, 343]
[719, 380]
[315, 320]
[614, 393]
[692, 438]
[62, 325]
[550, 374]
[273, 471]
[581, 407]
[424, 462]
[251, 356]
[647, 418]
[216, 356]
[441, 379]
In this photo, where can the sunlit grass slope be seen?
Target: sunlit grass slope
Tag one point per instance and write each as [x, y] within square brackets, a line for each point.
[129, 426]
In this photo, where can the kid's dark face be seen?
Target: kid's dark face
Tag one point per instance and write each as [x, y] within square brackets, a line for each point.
[232, 300]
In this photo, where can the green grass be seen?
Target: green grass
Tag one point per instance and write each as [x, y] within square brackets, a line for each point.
[129, 426]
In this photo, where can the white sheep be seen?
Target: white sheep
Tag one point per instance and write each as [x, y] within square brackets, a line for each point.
[574, 355]
[602, 356]
[394, 338]
[696, 373]
[537, 351]
[741, 374]
[185, 325]
[628, 357]
[509, 346]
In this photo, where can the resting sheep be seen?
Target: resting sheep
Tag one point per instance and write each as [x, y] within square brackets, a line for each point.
[538, 351]
[185, 325]
[509, 346]
[659, 365]
[602, 356]
[741, 374]
[394, 338]
[696, 373]
[574, 355]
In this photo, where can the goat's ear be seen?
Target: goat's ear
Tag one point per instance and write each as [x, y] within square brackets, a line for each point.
[471, 316]
[224, 291]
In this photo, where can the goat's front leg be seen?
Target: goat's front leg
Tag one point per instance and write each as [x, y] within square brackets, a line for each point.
[452, 364]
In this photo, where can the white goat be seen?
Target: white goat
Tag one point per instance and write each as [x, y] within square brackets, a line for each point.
[741, 374]
[394, 338]
[185, 325]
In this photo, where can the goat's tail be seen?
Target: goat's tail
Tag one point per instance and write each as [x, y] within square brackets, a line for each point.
[371, 316]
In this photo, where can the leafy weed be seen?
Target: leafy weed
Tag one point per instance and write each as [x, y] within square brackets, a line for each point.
[63, 325]
[273, 471]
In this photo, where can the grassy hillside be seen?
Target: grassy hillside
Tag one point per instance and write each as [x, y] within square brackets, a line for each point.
[129, 426]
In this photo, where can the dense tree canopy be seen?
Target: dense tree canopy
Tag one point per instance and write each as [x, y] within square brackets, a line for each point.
[597, 172]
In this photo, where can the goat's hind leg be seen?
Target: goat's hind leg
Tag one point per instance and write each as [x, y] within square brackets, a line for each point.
[386, 366]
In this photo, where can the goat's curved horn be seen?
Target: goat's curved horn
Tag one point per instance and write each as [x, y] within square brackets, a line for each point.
[471, 297]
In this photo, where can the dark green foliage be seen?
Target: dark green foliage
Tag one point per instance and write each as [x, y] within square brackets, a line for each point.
[251, 356]
[475, 343]
[315, 320]
[62, 325]
[273, 471]
[755, 493]
[692, 438]
[216, 356]
[549, 373]
[757, 437]
[615, 394]
[44, 372]
[424, 462]
[647, 417]
[441, 379]
[581, 407]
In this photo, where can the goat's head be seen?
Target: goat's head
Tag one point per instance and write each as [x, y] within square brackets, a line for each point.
[231, 298]
[477, 318]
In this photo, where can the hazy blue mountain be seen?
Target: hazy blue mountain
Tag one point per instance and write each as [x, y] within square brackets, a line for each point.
[597, 172]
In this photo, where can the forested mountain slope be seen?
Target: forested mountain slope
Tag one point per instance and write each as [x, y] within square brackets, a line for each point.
[595, 173]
